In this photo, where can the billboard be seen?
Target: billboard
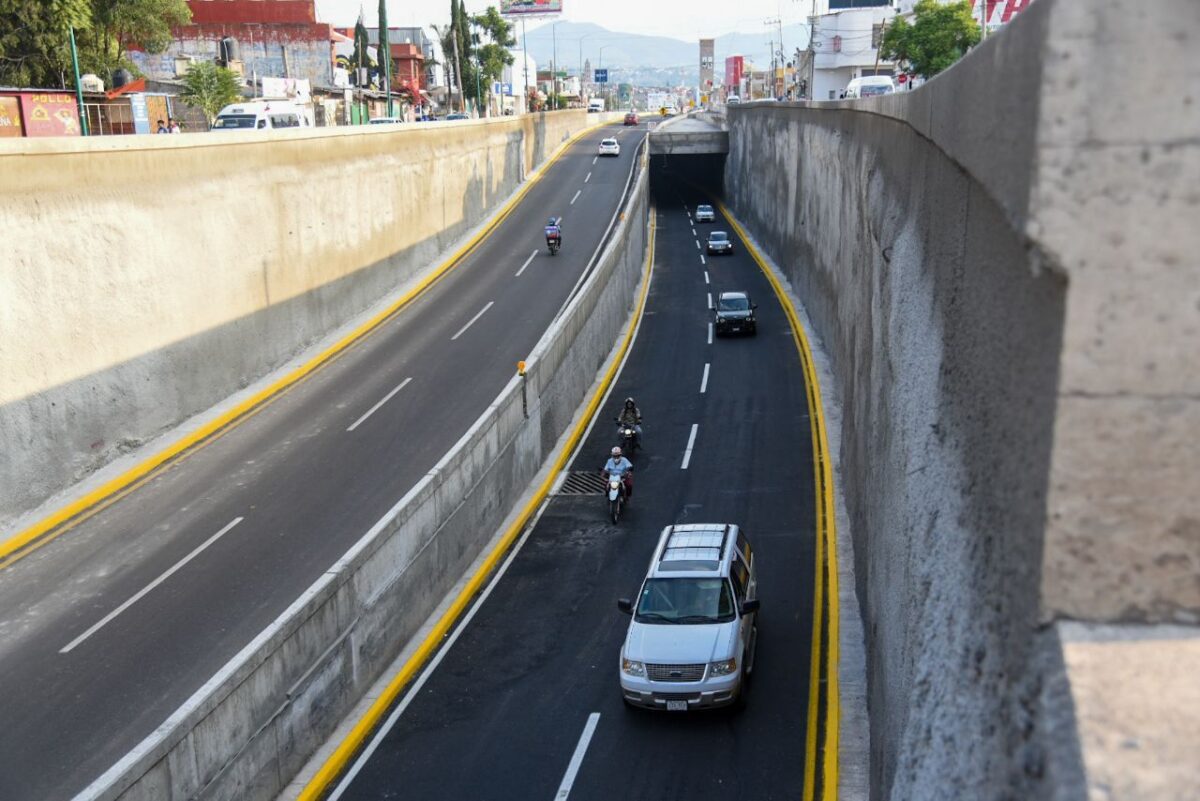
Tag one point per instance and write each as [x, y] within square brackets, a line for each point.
[733, 73]
[521, 8]
[49, 114]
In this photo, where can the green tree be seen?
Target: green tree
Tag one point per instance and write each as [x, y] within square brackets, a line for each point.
[938, 36]
[492, 37]
[34, 40]
[118, 25]
[210, 88]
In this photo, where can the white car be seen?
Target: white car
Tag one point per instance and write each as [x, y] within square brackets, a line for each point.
[610, 147]
[692, 639]
[704, 213]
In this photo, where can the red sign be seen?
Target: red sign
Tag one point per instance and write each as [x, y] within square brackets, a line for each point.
[902, 78]
[49, 114]
[733, 73]
[10, 117]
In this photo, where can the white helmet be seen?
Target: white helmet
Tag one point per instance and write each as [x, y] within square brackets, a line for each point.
[616, 452]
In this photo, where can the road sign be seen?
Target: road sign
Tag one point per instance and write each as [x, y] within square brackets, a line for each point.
[601, 76]
[901, 78]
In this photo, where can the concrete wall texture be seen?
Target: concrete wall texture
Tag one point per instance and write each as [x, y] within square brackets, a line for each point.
[145, 279]
[1002, 266]
[254, 725]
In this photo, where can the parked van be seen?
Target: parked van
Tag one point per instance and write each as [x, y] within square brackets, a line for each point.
[262, 115]
[869, 86]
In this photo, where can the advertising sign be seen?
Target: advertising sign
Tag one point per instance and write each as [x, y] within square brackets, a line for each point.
[520, 8]
[49, 114]
[600, 76]
[10, 117]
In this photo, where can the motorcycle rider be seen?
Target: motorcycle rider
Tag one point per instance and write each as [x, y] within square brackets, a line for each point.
[617, 465]
[631, 417]
[554, 231]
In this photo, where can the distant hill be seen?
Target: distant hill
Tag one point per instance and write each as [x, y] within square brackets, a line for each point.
[642, 57]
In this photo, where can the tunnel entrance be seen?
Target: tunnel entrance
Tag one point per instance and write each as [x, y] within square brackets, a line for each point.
[691, 179]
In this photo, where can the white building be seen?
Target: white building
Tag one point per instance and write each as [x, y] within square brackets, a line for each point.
[522, 72]
[844, 50]
[997, 13]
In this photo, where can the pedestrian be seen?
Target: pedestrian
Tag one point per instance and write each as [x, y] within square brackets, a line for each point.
[162, 127]
[173, 125]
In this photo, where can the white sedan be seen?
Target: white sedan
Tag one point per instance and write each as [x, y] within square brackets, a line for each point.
[610, 147]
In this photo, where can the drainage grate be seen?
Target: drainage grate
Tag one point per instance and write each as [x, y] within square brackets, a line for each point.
[586, 482]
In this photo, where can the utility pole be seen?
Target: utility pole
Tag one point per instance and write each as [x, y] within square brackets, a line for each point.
[554, 62]
[525, 62]
[983, 5]
[462, 93]
[83, 121]
[812, 52]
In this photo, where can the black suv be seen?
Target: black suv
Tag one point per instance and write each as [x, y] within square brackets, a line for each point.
[734, 314]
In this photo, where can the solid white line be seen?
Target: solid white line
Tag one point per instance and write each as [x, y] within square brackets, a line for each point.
[427, 672]
[704, 381]
[687, 454]
[710, 327]
[471, 322]
[564, 789]
[710, 300]
[706, 277]
[375, 408]
[577, 194]
[526, 264]
[702, 261]
[170, 572]
[589, 177]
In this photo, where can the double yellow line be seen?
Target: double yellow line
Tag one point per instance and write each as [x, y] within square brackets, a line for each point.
[338, 761]
[68, 517]
[825, 595]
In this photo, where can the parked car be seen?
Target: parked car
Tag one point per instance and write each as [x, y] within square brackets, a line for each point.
[631, 118]
[732, 100]
[718, 242]
[458, 115]
[692, 639]
[734, 314]
[704, 213]
[385, 120]
[610, 147]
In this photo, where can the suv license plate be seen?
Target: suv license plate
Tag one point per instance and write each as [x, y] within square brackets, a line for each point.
[677, 706]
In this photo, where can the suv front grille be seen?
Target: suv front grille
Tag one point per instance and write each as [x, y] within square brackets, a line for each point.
[675, 672]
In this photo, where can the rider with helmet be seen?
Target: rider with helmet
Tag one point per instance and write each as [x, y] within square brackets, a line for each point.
[631, 417]
[617, 465]
[554, 231]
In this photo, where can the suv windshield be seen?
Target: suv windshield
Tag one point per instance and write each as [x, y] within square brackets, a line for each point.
[686, 601]
[717, 237]
[734, 303]
[704, 209]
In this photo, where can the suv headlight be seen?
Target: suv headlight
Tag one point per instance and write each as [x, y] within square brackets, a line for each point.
[632, 668]
[722, 668]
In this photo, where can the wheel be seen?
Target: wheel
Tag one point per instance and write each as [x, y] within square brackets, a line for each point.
[614, 510]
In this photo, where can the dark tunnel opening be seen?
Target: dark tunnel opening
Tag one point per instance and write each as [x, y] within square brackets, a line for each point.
[690, 179]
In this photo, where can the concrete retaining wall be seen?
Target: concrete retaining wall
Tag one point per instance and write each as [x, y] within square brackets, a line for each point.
[999, 268]
[253, 726]
[145, 279]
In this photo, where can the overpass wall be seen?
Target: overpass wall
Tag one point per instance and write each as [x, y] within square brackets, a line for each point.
[145, 279]
[997, 265]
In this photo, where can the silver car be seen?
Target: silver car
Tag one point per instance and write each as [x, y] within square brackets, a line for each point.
[692, 639]
[704, 213]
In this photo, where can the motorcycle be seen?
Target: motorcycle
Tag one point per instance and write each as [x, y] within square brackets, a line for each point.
[553, 243]
[628, 435]
[616, 497]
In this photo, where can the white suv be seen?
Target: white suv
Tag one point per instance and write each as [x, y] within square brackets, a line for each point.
[691, 642]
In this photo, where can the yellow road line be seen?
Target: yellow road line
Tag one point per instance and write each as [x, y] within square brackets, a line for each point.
[340, 758]
[826, 555]
[68, 517]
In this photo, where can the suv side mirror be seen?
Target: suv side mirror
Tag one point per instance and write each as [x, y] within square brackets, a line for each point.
[749, 607]
[625, 605]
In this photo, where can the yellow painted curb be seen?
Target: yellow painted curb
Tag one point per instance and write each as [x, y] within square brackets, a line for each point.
[340, 758]
[826, 554]
[58, 523]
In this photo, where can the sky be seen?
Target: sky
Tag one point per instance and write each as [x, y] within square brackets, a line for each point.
[682, 19]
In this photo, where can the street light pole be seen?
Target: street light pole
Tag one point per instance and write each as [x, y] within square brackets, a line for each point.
[525, 62]
[604, 88]
[554, 63]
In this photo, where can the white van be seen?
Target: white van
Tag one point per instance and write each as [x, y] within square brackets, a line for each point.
[260, 115]
[596, 105]
[869, 86]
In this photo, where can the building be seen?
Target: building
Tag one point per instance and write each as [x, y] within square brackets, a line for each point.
[734, 66]
[997, 13]
[843, 46]
[38, 112]
[267, 38]
[522, 72]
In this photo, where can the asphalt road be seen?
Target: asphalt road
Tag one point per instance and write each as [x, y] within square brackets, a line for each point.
[105, 631]
[501, 716]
